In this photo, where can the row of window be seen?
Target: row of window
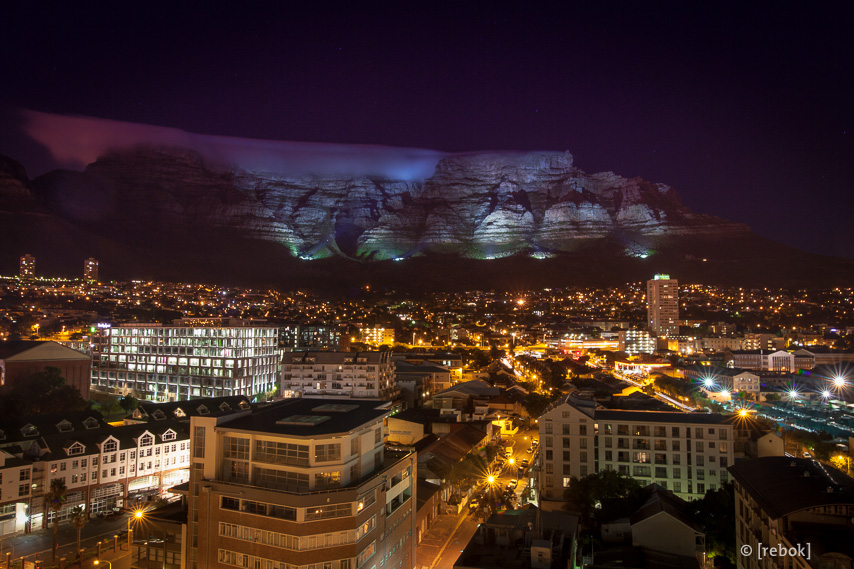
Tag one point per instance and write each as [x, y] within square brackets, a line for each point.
[640, 430]
[236, 559]
[296, 542]
[314, 513]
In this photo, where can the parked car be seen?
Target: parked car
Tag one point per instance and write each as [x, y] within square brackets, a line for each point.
[525, 463]
[512, 484]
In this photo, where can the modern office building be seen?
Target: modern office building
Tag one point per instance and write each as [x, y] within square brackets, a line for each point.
[203, 357]
[90, 270]
[300, 483]
[687, 453]
[796, 505]
[339, 374]
[636, 342]
[662, 305]
[27, 269]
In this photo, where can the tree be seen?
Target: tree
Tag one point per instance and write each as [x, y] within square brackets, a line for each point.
[39, 394]
[605, 491]
[78, 520]
[536, 403]
[54, 500]
[715, 512]
[129, 403]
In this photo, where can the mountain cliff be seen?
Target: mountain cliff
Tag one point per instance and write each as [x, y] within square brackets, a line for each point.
[170, 212]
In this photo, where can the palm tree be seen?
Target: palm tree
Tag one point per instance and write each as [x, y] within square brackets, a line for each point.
[78, 520]
[54, 500]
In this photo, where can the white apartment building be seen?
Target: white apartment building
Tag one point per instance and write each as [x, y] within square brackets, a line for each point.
[368, 375]
[102, 466]
[301, 483]
[687, 453]
[636, 342]
[203, 357]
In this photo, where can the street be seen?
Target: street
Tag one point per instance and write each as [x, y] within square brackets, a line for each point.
[40, 542]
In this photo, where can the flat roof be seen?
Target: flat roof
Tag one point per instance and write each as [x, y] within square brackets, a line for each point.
[310, 417]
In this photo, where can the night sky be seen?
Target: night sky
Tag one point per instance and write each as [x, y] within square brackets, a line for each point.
[745, 108]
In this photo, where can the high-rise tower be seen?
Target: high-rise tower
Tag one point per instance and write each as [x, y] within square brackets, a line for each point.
[662, 305]
[90, 270]
[28, 267]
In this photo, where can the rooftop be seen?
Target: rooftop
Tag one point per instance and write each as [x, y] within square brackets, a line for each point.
[783, 485]
[311, 417]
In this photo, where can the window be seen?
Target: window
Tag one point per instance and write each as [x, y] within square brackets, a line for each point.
[609, 442]
[674, 431]
[677, 473]
[642, 471]
[606, 428]
[549, 428]
[674, 445]
[62, 466]
[327, 479]
[168, 435]
[660, 472]
[660, 431]
[354, 445]
[701, 488]
[328, 512]
[609, 455]
[583, 443]
[281, 453]
[199, 442]
[378, 436]
[281, 480]
[23, 490]
[567, 480]
[146, 440]
[677, 486]
[565, 429]
[327, 453]
[236, 447]
[566, 442]
[227, 503]
[582, 430]
[110, 446]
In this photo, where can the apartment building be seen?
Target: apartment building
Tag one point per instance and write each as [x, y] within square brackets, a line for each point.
[90, 270]
[765, 360]
[300, 484]
[377, 335]
[792, 504]
[102, 466]
[27, 267]
[201, 357]
[368, 375]
[15, 476]
[662, 301]
[687, 453]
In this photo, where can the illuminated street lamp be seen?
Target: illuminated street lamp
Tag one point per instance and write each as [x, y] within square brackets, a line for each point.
[709, 382]
[137, 515]
[742, 412]
[512, 461]
[490, 479]
[847, 460]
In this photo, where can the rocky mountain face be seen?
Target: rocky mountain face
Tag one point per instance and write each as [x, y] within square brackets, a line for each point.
[481, 206]
[167, 213]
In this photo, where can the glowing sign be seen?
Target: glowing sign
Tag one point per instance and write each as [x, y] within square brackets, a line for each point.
[103, 325]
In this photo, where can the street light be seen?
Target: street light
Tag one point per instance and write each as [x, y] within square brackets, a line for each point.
[847, 460]
[137, 515]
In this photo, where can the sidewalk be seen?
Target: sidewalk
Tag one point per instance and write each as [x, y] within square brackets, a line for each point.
[436, 537]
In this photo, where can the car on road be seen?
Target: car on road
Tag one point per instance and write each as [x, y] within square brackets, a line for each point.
[512, 484]
[525, 463]
[529, 450]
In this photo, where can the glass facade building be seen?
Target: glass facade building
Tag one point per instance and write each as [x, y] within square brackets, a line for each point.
[210, 358]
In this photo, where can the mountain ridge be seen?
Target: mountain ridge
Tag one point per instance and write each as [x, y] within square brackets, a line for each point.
[161, 210]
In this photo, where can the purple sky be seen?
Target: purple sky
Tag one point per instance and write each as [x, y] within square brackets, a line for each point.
[745, 110]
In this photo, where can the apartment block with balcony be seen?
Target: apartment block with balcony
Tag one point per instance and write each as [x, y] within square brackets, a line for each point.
[211, 357]
[687, 453]
[359, 375]
[300, 483]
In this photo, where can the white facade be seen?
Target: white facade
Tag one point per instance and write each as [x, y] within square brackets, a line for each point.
[368, 375]
[686, 453]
